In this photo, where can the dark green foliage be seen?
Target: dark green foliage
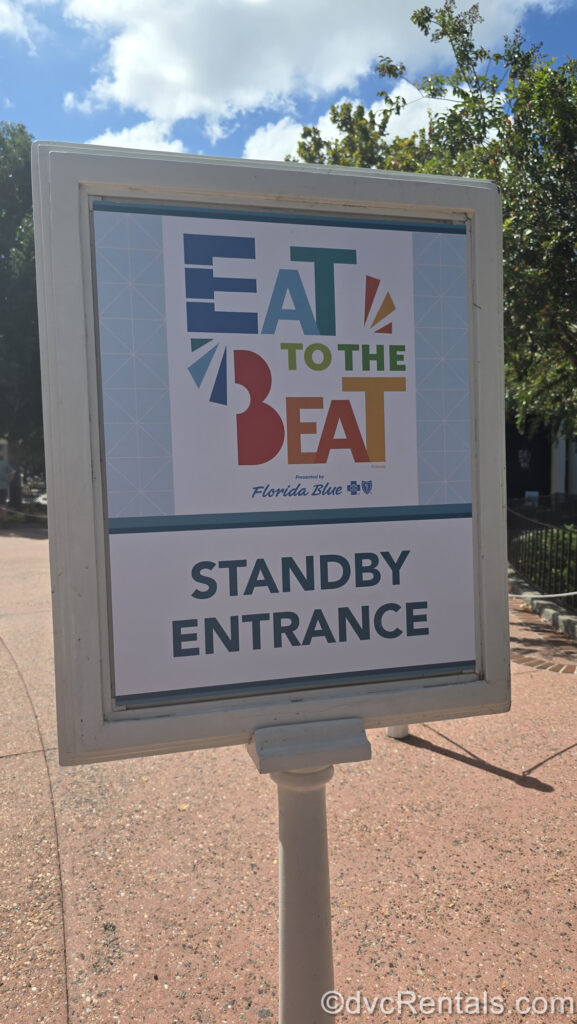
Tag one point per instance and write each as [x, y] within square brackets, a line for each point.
[20, 399]
[510, 117]
[547, 557]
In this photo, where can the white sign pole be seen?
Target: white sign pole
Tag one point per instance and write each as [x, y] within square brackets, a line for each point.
[300, 760]
[305, 940]
[397, 732]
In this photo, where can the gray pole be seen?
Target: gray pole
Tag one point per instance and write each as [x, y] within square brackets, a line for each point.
[305, 944]
[299, 759]
[397, 732]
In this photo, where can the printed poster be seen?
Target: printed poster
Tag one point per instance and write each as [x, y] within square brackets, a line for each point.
[287, 438]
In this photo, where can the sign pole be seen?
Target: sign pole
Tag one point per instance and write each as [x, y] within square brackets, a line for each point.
[305, 941]
[397, 732]
[300, 760]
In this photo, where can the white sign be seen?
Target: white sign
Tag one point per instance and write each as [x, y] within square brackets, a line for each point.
[280, 398]
[329, 608]
[295, 328]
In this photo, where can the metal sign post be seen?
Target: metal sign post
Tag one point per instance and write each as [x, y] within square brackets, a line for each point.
[305, 942]
[294, 756]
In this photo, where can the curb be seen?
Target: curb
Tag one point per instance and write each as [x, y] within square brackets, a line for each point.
[551, 612]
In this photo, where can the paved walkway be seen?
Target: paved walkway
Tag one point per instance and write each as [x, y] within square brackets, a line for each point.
[146, 890]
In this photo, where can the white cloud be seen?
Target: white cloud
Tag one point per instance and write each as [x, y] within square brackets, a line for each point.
[71, 102]
[17, 20]
[147, 135]
[415, 113]
[274, 141]
[199, 58]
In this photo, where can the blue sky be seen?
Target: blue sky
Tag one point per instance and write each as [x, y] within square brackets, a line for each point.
[222, 77]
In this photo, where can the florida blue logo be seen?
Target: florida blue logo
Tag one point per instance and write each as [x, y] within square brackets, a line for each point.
[365, 486]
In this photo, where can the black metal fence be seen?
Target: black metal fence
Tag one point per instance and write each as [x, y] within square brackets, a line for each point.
[542, 543]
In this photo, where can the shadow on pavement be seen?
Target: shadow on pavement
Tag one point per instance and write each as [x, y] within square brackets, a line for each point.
[523, 780]
[550, 758]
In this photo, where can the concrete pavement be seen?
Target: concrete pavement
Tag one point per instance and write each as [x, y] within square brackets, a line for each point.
[146, 890]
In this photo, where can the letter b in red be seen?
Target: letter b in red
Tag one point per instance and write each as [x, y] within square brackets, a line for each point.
[259, 429]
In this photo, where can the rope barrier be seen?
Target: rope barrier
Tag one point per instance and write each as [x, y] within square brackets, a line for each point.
[548, 526]
[538, 522]
[21, 512]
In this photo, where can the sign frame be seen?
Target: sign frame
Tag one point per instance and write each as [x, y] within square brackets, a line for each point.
[67, 179]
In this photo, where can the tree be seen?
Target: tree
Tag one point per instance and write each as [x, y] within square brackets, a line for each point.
[20, 396]
[510, 117]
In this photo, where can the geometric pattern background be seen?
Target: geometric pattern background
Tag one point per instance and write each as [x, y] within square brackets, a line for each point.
[134, 364]
[442, 368]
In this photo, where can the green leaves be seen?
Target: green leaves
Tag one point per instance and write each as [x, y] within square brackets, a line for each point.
[363, 140]
[510, 116]
[20, 399]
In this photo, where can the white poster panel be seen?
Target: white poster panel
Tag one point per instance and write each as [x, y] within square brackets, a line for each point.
[316, 377]
[304, 368]
[291, 605]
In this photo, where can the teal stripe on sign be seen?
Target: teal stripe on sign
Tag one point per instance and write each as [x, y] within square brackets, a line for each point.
[375, 223]
[453, 668]
[235, 521]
